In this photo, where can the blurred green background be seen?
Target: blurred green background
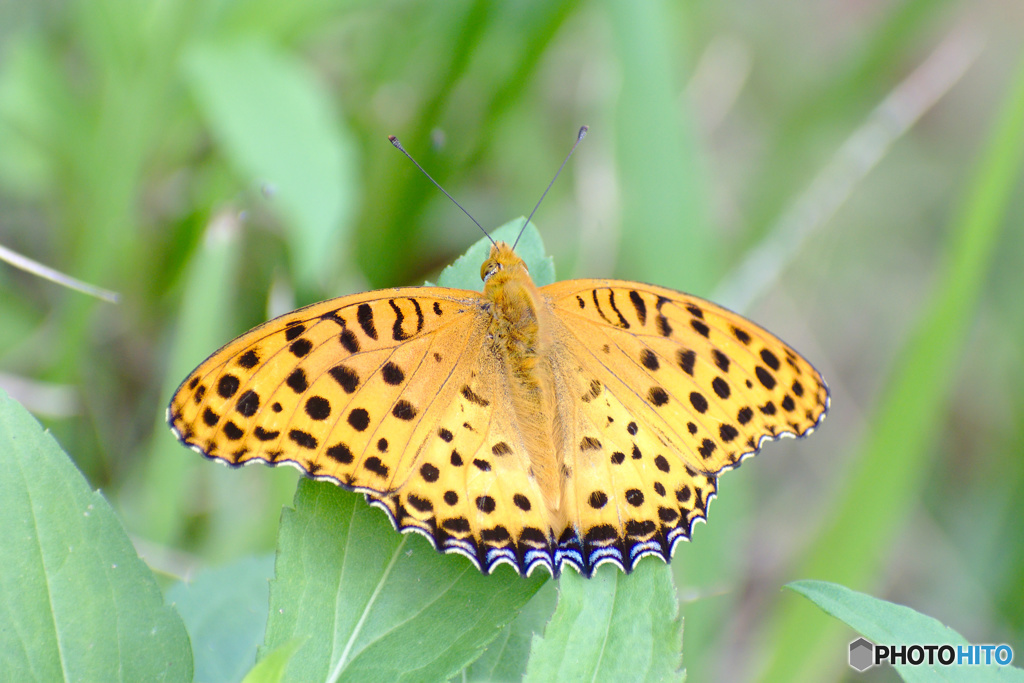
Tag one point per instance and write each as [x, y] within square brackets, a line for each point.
[846, 174]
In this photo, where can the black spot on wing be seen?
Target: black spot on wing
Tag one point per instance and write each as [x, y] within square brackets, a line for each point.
[248, 360]
[364, 316]
[346, 377]
[664, 328]
[304, 439]
[459, 525]
[597, 305]
[349, 341]
[421, 504]
[392, 374]
[429, 473]
[232, 431]
[686, 359]
[770, 359]
[374, 464]
[227, 385]
[657, 396]
[297, 381]
[265, 435]
[359, 419]
[318, 408]
[397, 333]
[473, 397]
[340, 452]
[764, 377]
[248, 403]
[639, 306]
[623, 323]
[404, 410]
[300, 347]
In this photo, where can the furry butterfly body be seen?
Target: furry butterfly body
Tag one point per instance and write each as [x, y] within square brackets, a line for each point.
[577, 423]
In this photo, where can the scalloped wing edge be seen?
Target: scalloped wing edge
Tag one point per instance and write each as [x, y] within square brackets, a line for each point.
[571, 551]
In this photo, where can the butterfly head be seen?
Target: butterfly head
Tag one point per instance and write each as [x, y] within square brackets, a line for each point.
[504, 263]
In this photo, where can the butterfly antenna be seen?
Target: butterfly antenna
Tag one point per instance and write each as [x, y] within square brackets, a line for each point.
[579, 138]
[398, 146]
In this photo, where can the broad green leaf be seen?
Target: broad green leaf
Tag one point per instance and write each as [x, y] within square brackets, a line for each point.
[76, 602]
[505, 659]
[277, 127]
[612, 627]
[887, 623]
[384, 606]
[464, 273]
[271, 668]
[225, 612]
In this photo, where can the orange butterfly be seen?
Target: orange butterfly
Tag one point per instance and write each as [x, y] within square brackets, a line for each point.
[578, 423]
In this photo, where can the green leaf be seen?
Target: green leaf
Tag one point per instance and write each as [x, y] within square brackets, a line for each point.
[464, 273]
[887, 623]
[612, 627]
[505, 659]
[277, 127]
[383, 605]
[271, 668]
[76, 602]
[225, 612]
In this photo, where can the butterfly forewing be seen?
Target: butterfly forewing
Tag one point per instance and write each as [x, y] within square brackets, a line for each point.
[692, 364]
[322, 386]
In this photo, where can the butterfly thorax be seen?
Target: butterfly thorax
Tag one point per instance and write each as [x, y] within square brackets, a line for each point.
[520, 335]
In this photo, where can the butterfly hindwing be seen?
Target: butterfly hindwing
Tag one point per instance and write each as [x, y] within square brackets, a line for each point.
[471, 489]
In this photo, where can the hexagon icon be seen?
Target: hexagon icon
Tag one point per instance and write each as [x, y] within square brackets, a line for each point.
[861, 654]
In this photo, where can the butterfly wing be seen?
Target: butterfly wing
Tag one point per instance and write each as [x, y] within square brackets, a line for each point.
[673, 391]
[327, 388]
[392, 393]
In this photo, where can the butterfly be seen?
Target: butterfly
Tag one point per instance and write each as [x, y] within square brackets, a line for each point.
[578, 423]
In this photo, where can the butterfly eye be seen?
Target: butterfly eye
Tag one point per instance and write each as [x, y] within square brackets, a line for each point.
[492, 270]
